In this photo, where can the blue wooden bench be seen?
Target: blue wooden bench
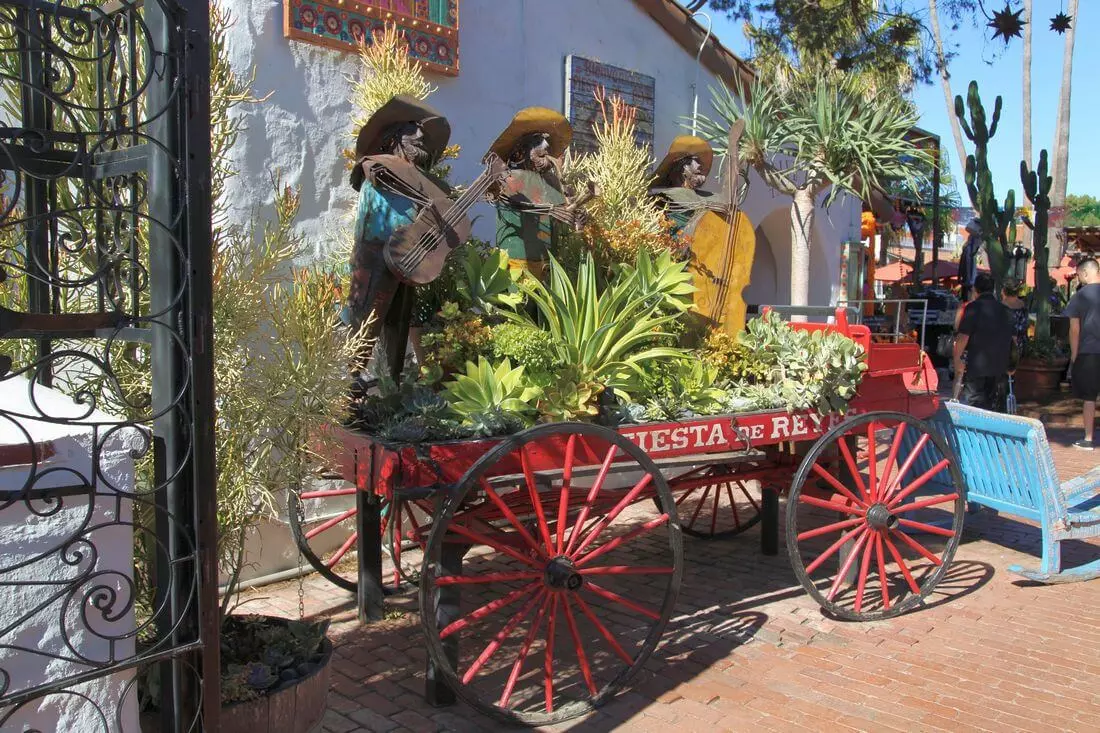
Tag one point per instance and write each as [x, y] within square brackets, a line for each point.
[1007, 464]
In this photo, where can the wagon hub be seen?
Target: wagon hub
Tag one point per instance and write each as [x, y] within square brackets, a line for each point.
[562, 574]
[880, 517]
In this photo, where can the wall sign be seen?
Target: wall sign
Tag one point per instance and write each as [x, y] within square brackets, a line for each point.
[582, 78]
[429, 26]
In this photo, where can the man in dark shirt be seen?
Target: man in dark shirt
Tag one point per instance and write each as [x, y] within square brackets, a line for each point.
[985, 336]
[1083, 312]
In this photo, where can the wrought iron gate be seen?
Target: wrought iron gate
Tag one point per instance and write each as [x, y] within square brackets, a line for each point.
[108, 606]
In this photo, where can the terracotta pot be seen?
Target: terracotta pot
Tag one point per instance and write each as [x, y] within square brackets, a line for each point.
[1035, 379]
[296, 706]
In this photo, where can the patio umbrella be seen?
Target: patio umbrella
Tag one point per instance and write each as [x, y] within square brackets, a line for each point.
[1062, 273]
[898, 271]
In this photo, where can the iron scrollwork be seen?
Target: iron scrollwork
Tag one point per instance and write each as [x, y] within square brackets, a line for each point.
[100, 560]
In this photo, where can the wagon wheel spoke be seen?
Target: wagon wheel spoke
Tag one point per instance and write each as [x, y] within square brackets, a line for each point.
[873, 541]
[710, 508]
[551, 613]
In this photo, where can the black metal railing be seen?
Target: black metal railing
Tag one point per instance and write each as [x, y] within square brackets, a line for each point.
[107, 539]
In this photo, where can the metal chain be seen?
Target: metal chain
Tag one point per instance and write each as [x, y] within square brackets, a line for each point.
[301, 557]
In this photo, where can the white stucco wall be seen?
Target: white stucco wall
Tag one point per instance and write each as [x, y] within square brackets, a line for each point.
[54, 629]
[513, 55]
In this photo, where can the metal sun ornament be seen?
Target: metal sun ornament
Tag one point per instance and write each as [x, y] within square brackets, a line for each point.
[1061, 23]
[1007, 23]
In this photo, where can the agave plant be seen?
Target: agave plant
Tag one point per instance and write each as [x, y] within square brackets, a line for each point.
[607, 337]
[661, 278]
[489, 282]
[484, 389]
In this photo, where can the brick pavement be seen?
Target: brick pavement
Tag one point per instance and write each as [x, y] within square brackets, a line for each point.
[747, 650]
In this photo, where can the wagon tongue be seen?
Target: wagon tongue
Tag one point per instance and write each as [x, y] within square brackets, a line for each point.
[562, 574]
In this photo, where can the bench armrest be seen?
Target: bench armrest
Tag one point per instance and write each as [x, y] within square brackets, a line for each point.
[1081, 487]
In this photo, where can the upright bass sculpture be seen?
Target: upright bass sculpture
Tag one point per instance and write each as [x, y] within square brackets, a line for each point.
[722, 240]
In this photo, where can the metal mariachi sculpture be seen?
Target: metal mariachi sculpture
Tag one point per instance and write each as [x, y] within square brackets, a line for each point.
[532, 204]
[406, 222]
[722, 239]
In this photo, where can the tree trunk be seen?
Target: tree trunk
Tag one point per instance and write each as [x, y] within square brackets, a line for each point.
[945, 81]
[1060, 171]
[1027, 84]
[802, 222]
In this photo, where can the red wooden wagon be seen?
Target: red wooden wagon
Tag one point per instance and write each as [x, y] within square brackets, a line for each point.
[550, 561]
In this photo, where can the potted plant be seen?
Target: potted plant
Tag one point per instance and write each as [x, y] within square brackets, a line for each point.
[1040, 369]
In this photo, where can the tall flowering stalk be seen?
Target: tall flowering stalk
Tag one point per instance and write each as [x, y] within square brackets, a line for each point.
[386, 71]
[623, 218]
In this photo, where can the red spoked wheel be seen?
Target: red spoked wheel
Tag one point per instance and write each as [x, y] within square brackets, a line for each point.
[322, 522]
[875, 515]
[567, 582]
[714, 503]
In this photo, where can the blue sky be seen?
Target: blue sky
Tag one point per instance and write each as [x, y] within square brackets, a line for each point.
[997, 70]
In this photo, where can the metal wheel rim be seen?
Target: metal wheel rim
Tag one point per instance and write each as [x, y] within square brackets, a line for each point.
[428, 621]
[932, 579]
[299, 534]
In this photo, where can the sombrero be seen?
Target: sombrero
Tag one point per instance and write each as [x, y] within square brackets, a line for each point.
[530, 120]
[402, 108]
[685, 146]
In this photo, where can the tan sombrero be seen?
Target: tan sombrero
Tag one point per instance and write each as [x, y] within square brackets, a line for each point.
[531, 120]
[402, 108]
[685, 146]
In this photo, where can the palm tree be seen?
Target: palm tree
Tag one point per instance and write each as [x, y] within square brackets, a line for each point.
[817, 135]
[1061, 142]
[945, 77]
[1027, 81]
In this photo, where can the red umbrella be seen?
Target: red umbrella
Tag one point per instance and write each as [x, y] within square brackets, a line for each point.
[897, 271]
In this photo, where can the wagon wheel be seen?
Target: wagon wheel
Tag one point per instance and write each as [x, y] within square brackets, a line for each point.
[326, 543]
[551, 622]
[715, 504]
[405, 528]
[875, 515]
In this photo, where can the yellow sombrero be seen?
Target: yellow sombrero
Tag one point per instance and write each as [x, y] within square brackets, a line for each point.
[685, 146]
[531, 120]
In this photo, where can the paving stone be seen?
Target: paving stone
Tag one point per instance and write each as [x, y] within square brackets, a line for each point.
[750, 651]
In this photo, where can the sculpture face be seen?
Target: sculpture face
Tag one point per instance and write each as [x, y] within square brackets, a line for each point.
[532, 152]
[406, 140]
[687, 173]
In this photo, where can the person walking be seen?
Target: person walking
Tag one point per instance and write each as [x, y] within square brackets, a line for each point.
[985, 337]
[1083, 312]
[1021, 319]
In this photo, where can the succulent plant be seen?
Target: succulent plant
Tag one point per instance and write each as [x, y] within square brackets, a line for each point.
[484, 388]
[532, 348]
[489, 282]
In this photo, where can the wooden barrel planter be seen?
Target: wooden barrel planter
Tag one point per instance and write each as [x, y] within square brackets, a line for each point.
[293, 706]
[296, 704]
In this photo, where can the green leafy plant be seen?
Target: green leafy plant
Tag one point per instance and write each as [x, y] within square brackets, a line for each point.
[484, 389]
[527, 346]
[606, 337]
[456, 337]
[733, 359]
[805, 370]
[1045, 350]
[682, 389]
[666, 280]
[567, 397]
[489, 283]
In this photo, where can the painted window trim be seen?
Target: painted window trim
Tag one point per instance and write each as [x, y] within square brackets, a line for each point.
[342, 24]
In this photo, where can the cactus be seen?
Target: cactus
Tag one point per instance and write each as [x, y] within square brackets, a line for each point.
[1037, 190]
[979, 181]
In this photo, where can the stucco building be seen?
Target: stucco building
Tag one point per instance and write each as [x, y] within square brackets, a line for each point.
[489, 58]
